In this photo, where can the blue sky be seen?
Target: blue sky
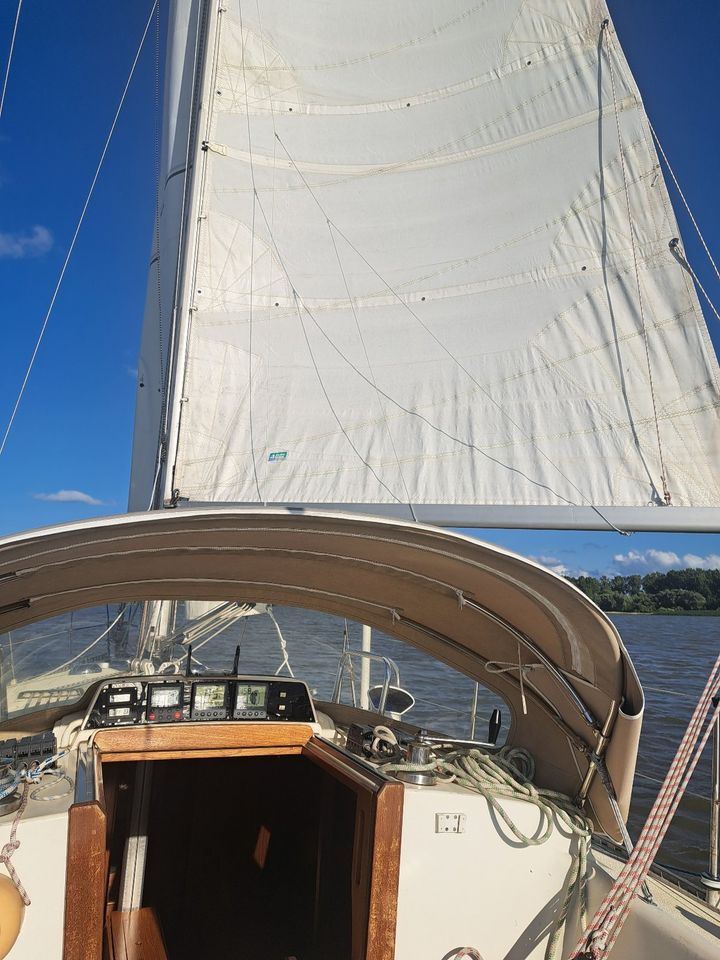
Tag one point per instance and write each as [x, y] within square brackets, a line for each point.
[73, 431]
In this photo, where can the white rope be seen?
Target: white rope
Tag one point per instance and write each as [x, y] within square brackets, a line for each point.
[686, 263]
[283, 646]
[682, 197]
[10, 56]
[507, 775]
[88, 647]
[77, 231]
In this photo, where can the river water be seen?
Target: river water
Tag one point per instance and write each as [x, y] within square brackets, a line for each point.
[672, 655]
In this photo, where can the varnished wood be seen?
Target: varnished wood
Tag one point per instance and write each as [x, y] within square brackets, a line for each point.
[184, 739]
[376, 854]
[343, 767]
[385, 877]
[136, 935]
[195, 754]
[85, 882]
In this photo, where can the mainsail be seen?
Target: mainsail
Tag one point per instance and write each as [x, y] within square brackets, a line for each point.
[420, 259]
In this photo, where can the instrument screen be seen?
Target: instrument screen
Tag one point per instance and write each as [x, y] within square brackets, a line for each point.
[251, 696]
[209, 696]
[165, 694]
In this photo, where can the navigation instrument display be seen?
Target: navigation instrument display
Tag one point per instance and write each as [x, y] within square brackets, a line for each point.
[164, 694]
[209, 696]
[251, 696]
[209, 700]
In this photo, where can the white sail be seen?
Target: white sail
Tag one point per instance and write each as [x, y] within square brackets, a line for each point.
[429, 264]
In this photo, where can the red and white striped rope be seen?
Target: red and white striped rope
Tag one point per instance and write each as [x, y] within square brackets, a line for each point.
[605, 927]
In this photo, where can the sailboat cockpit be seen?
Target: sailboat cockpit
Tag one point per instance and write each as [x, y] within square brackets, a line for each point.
[168, 803]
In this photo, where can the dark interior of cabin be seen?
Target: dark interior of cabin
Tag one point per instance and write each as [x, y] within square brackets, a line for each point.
[250, 858]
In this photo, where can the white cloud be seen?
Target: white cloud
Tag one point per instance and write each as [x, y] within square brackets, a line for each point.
[635, 562]
[15, 246]
[69, 496]
[552, 563]
[710, 562]
[131, 371]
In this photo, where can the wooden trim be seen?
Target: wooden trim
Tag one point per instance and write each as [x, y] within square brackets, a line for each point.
[136, 935]
[385, 876]
[85, 882]
[188, 740]
[194, 754]
[376, 856]
[343, 767]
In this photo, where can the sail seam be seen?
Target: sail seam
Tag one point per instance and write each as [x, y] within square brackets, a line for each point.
[450, 355]
[610, 47]
[252, 255]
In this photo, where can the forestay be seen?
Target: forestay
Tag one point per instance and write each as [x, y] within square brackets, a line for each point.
[428, 270]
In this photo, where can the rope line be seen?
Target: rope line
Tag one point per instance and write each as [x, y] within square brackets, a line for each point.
[600, 936]
[77, 231]
[414, 413]
[10, 56]
[10, 780]
[372, 373]
[682, 256]
[604, 32]
[508, 775]
[455, 360]
[682, 197]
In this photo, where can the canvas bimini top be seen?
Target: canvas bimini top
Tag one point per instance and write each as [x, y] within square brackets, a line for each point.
[462, 601]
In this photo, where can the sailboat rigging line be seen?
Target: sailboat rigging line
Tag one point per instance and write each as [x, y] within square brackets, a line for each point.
[525, 641]
[455, 360]
[71, 248]
[682, 197]
[536, 697]
[372, 374]
[283, 646]
[610, 51]
[82, 653]
[339, 422]
[681, 256]
[252, 259]
[414, 413]
[10, 56]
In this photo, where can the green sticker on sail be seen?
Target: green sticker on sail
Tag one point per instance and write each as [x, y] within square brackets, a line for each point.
[277, 455]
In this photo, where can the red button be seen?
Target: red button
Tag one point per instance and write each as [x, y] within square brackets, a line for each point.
[177, 714]
[151, 716]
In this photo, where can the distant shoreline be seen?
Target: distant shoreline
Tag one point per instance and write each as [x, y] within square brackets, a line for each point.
[664, 613]
[694, 592]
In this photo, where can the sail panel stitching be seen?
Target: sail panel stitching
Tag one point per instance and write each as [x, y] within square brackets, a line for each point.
[243, 41]
[452, 357]
[610, 47]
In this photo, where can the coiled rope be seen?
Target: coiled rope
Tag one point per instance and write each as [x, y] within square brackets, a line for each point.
[507, 775]
[10, 779]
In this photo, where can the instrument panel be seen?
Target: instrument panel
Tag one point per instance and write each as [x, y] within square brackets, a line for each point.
[126, 701]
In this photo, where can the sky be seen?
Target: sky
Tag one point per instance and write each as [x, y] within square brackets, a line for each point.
[68, 455]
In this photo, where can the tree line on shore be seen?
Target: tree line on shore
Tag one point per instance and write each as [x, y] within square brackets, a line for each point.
[677, 590]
